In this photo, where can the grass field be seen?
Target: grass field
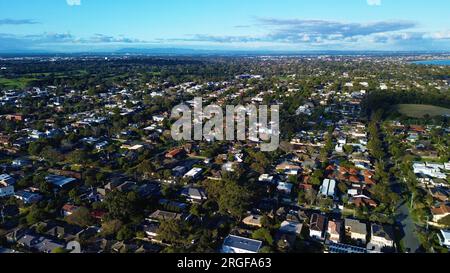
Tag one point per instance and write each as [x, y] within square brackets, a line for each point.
[18, 83]
[419, 111]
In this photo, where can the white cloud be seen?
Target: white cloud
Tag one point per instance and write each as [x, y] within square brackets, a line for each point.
[374, 2]
[73, 2]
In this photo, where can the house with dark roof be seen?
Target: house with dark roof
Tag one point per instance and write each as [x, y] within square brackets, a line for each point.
[382, 236]
[28, 197]
[61, 182]
[317, 226]
[161, 215]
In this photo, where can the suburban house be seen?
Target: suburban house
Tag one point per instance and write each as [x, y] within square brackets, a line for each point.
[179, 171]
[335, 231]
[7, 180]
[285, 187]
[39, 243]
[253, 221]
[382, 236]
[440, 213]
[237, 244]
[151, 229]
[28, 197]
[291, 227]
[356, 230]
[193, 194]
[6, 191]
[68, 210]
[439, 193]
[176, 153]
[317, 226]
[61, 182]
[194, 173]
[444, 238]
[328, 188]
[161, 215]
[267, 178]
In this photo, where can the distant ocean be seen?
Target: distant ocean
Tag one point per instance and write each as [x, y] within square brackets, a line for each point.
[434, 62]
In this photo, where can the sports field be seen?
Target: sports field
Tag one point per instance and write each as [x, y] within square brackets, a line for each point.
[419, 110]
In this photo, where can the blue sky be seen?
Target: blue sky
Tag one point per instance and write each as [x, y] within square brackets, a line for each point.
[99, 25]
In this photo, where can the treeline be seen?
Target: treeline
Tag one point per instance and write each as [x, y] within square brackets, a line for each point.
[385, 100]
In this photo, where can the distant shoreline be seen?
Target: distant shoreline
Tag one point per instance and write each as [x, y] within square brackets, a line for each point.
[437, 62]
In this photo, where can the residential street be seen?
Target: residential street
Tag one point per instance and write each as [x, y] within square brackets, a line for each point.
[410, 240]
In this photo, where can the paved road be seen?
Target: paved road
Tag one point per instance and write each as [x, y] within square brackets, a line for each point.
[410, 240]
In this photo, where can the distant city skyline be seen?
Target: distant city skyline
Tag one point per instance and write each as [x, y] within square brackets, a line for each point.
[281, 25]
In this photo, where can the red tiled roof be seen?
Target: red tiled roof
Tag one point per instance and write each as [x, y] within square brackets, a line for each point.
[359, 202]
[69, 208]
[369, 181]
[353, 171]
[417, 128]
[174, 152]
[442, 210]
[354, 179]
[98, 214]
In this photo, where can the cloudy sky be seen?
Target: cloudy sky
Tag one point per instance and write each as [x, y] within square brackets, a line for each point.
[102, 25]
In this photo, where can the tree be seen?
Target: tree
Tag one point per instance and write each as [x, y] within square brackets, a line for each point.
[125, 234]
[35, 148]
[111, 227]
[348, 149]
[172, 231]
[342, 187]
[120, 206]
[301, 197]
[263, 234]
[59, 250]
[45, 187]
[35, 215]
[78, 157]
[234, 199]
[311, 196]
[80, 217]
[205, 241]
[445, 221]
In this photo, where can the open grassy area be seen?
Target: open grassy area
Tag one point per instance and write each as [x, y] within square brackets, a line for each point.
[18, 83]
[419, 111]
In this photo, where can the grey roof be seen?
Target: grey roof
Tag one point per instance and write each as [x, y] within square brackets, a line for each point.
[242, 243]
[59, 181]
[9, 180]
[165, 215]
[28, 240]
[194, 193]
[291, 227]
[27, 195]
[356, 226]
[47, 245]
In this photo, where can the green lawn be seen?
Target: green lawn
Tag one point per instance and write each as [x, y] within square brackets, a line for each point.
[18, 83]
[419, 111]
